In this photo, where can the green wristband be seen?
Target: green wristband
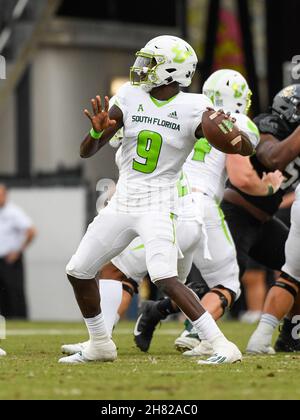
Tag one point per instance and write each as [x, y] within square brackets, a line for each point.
[270, 190]
[95, 134]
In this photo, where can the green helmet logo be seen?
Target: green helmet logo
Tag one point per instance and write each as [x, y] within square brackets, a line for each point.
[180, 54]
[238, 90]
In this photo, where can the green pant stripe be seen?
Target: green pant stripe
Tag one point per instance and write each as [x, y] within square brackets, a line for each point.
[224, 224]
[172, 216]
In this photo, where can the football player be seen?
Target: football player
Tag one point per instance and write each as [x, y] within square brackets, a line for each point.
[161, 125]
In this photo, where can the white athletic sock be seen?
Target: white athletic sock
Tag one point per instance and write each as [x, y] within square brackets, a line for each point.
[111, 293]
[97, 330]
[207, 328]
[267, 326]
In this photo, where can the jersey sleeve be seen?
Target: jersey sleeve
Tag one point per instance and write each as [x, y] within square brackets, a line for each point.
[118, 137]
[246, 125]
[120, 99]
[112, 101]
[274, 125]
[201, 104]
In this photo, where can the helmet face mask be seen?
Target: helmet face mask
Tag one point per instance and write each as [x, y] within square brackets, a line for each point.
[287, 104]
[164, 60]
[143, 72]
[228, 89]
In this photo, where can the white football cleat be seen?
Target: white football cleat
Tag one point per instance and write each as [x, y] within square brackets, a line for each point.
[204, 349]
[2, 353]
[106, 352]
[74, 359]
[187, 341]
[71, 349]
[224, 353]
[258, 345]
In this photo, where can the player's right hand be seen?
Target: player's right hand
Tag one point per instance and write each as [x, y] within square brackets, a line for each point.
[274, 179]
[100, 120]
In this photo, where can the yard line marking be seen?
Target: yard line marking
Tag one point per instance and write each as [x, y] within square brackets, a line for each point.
[175, 372]
[52, 332]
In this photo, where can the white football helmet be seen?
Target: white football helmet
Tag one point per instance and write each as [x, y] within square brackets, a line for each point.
[164, 60]
[229, 90]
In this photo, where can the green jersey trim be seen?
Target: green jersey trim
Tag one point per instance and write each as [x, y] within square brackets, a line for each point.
[183, 189]
[138, 248]
[159, 104]
[253, 128]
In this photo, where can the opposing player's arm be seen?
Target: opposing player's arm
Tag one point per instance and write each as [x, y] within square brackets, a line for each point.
[275, 154]
[243, 176]
[105, 124]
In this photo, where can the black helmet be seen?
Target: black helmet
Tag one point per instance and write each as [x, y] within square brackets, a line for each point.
[287, 104]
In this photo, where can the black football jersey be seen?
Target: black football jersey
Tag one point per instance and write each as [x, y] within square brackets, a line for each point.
[273, 124]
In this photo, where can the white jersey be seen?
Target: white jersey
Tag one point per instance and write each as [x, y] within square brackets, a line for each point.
[206, 166]
[186, 205]
[158, 137]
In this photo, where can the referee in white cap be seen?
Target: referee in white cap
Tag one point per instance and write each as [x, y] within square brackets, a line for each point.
[16, 233]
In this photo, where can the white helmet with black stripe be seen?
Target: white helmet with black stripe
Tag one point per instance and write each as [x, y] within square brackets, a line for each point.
[229, 90]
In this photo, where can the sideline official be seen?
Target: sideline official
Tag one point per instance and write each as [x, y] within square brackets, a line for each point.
[16, 233]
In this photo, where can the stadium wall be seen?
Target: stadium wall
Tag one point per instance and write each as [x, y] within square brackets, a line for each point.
[59, 215]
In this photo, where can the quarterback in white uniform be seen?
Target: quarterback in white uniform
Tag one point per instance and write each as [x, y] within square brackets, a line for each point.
[161, 125]
[220, 277]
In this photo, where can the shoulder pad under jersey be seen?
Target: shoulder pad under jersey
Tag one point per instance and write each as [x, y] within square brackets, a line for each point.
[268, 124]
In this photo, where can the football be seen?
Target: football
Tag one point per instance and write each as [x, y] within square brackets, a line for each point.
[221, 132]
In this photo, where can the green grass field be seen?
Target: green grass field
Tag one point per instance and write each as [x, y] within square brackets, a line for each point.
[31, 370]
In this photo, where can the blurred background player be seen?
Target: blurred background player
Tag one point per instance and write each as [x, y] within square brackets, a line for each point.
[16, 234]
